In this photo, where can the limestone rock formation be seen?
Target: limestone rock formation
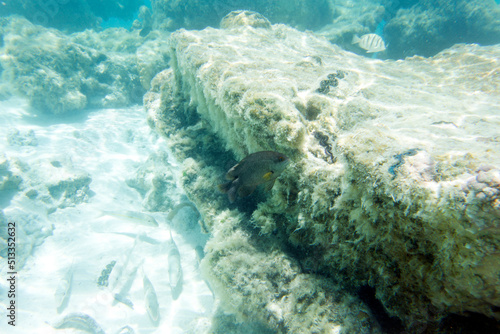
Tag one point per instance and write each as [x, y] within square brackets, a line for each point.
[429, 26]
[198, 14]
[58, 73]
[394, 182]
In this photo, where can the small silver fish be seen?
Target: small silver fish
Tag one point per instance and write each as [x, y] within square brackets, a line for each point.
[116, 274]
[140, 237]
[133, 216]
[63, 290]
[121, 296]
[80, 321]
[151, 301]
[257, 168]
[174, 269]
[369, 42]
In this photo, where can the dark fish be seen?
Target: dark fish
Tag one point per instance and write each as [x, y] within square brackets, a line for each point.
[257, 168]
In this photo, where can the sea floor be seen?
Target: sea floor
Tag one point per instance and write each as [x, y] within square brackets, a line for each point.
[110, 145]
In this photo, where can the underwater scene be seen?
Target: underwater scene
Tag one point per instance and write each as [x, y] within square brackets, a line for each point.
[250, 166]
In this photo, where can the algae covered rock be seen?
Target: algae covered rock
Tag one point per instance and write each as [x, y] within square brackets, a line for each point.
[58, 73]
[349, 19]
[43, 66]
[429, 26]
[152, 57]
[393, 185]
[244, 18]
[413, 27]
[30, 228]
[154, 180]
[197, 14]
[10, 177]
[55, 184]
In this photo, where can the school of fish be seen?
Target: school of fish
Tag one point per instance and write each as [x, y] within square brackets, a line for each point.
[260, 168]
[120, 278]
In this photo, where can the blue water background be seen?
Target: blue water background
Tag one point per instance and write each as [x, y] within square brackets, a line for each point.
[115, 22]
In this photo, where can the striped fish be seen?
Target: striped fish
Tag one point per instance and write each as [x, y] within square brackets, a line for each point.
[370, 42]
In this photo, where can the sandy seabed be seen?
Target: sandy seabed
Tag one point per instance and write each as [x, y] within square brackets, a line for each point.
[109, 145]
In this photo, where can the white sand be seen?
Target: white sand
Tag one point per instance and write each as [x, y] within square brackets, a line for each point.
[109, 145]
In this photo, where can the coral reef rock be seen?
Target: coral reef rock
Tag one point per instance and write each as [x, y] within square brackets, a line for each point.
[244, 18]
[60, 73]
[393, 186]
[38, 188]
[30, 227]
[196, 14]
[413, 27]
[154, 180]
[429, 26]
[56, 184]
[351, 19]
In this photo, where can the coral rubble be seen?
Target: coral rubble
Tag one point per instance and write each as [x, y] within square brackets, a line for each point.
[394, 182]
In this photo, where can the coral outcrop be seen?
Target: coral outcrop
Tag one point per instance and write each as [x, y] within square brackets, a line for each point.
[198, 14]
[393, 187]
[60, 73]
[414, 27]
[155, 181]
[42, 187]
[349, 19]
[430, 26]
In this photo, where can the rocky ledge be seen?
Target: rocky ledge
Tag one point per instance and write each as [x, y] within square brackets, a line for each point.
[392, 196]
